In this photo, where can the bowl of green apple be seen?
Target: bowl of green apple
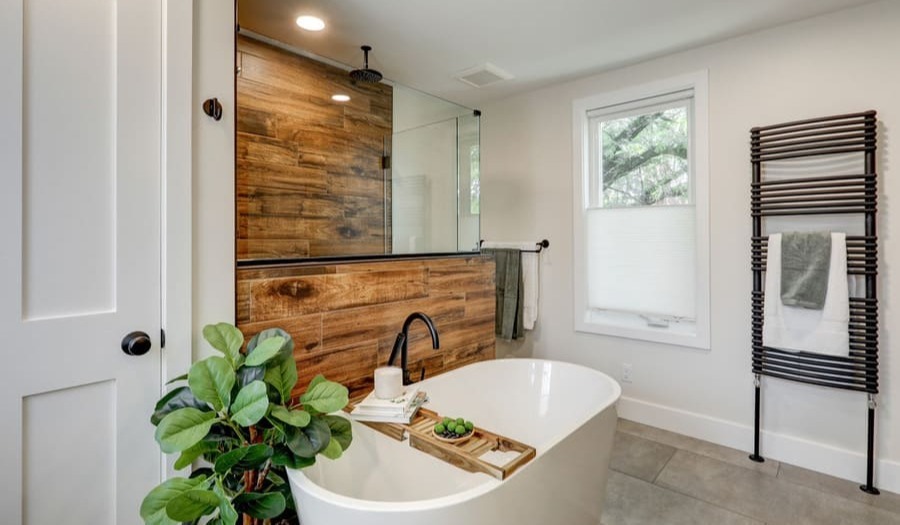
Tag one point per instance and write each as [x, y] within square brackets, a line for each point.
[453, 430]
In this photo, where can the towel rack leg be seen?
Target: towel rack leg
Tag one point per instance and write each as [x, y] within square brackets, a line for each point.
[755, 456]
[870, 451]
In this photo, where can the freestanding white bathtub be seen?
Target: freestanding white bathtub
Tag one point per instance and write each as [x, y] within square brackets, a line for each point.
[566, 411]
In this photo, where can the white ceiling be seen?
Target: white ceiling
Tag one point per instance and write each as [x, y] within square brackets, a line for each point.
[425, 43]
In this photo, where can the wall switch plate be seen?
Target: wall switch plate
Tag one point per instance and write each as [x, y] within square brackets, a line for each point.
[626, 372]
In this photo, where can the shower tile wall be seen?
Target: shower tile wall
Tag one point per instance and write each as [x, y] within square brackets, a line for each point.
[344, 317]
[309, 175]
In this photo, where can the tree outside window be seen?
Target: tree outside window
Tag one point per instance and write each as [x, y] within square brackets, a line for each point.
[644, 159]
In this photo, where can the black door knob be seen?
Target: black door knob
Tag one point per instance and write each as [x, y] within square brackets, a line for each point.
[136, 343]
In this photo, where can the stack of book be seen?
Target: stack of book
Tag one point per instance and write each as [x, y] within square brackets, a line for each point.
[400, 409]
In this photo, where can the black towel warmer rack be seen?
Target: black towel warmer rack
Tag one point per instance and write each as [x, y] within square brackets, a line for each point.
[820, 195]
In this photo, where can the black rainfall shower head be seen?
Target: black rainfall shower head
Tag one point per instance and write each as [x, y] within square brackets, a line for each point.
[365, 74]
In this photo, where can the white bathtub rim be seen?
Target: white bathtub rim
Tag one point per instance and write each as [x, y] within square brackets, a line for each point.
[563, 432]
[339, 500]
[298, 478]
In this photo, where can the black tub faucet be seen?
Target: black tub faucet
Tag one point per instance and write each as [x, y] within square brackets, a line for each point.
[400, 345]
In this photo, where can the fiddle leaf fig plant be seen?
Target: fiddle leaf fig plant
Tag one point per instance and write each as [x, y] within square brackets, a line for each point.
[236, 413]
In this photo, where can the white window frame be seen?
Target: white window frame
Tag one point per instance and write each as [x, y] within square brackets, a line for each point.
[634, 327]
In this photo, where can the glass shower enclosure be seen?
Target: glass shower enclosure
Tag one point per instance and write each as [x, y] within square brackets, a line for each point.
[433, 176]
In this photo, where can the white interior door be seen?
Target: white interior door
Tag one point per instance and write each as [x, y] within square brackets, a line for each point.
[80, 135]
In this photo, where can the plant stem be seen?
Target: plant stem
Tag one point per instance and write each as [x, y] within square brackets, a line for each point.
[236, 429]
[264, 474]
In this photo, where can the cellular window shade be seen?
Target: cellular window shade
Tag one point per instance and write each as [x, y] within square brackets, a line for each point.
[642, 260]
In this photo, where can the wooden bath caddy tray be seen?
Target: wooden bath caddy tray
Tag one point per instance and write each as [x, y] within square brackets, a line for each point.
[465, 455]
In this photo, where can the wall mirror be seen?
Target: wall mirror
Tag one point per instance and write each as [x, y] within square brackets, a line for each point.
[331, 166]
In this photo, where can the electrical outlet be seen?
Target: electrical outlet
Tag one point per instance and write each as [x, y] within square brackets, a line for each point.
[626, 372]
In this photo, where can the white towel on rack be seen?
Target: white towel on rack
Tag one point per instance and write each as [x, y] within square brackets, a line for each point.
[531, 277]
[795, 329]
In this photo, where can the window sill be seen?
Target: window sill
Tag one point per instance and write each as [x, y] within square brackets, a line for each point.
[690, 336]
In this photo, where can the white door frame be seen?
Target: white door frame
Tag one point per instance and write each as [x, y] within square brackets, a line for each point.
[176, 193]
[198, 180]
[198, 194]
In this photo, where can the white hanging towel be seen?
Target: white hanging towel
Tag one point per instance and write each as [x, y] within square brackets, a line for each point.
[531, 277]
[800, 329]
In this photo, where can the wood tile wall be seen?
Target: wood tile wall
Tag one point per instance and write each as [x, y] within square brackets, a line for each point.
[309, 175]
[344, 317]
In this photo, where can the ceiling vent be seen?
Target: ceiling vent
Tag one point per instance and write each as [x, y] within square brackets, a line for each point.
[483, 75]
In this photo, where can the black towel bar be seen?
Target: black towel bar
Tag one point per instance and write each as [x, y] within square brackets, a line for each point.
[540, 246]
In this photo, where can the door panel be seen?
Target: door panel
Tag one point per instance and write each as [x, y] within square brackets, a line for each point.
[80, 135]
[56, 466]
[59, 135]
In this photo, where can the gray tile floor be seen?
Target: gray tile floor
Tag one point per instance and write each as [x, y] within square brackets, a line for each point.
[659, 477]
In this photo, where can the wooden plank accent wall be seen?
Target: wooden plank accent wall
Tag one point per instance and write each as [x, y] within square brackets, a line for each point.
[309, 175]
[344, 317]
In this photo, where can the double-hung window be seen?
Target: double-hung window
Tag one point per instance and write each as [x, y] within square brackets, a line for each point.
[641, 213]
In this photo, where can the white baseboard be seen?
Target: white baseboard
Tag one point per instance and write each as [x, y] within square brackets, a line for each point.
[842, 463]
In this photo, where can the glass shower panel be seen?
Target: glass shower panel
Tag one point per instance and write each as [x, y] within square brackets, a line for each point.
[469, 195]
[424, 189]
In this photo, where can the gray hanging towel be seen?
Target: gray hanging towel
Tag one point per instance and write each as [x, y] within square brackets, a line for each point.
[510, 301]
[805, 262]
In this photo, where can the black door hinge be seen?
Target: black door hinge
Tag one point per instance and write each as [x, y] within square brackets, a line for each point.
[162, 338]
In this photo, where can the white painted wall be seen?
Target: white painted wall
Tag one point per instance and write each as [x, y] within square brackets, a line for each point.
[838, 63]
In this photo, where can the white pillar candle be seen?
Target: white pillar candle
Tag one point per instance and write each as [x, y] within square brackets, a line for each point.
[388, 382]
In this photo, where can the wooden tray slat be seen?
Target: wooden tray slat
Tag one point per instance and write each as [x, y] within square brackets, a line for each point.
[465, 455]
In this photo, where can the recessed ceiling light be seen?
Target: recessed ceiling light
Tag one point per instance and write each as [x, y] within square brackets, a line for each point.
[310, 23]
[340, 98]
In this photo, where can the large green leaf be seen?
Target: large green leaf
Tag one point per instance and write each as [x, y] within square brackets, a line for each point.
[192, 504]
[211, 380]
[284, 457]
[315, 381]
[287, 349]
[282, 375]
[333, 450]
[248, 374]
[295, 418]
[260, 505]
[275, 477]
[183, 429]
[326, 396]
[250, 405]
[227, 514]
[309, 440]
[264, 351]
[244, 458]
[191, 454]
[340, 430]
[180, 397]
[153, 508]
[227, 339]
